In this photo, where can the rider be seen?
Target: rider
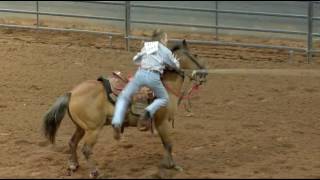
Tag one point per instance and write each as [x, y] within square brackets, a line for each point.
[153, 58]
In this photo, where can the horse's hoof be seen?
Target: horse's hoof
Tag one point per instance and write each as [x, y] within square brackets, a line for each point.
[143, 128]
[71, 169]
[178, 168]
[94, 174]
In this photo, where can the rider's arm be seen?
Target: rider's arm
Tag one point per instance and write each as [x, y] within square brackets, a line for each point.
[168, 58]
[137, 58]
[171, 61]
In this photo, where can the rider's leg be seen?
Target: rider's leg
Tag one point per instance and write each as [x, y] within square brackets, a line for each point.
[162, 97]
[123, 102]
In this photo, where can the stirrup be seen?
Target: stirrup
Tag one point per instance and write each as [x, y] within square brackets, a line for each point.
[147, 122]
[143, 122]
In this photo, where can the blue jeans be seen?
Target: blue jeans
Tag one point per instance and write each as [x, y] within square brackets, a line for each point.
[141, 78]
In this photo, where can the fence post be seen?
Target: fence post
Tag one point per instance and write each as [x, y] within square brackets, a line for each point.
[217, 20]
[127, 25]
[310, 21]
[37, 7]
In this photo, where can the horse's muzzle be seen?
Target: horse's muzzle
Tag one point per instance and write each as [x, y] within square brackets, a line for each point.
[200, 76]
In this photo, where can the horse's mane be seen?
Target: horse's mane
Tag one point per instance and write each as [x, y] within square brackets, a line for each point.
[185, 50]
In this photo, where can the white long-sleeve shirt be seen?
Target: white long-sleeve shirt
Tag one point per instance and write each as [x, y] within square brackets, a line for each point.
[155, 56]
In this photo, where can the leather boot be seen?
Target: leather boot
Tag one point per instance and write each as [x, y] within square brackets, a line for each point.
[116, 132]
[145, 121]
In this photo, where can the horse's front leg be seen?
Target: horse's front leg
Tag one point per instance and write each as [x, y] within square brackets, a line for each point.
[90, 140]
[162, 128]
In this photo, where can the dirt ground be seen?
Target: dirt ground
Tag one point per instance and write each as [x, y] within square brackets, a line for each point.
[243, 125]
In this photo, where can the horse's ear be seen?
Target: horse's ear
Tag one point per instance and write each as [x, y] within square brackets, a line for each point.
[184, 43]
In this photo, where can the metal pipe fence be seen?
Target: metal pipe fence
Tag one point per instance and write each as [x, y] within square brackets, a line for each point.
[128, 22]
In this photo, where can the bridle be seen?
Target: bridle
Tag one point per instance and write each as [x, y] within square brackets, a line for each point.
[201, 71]
[198, 77]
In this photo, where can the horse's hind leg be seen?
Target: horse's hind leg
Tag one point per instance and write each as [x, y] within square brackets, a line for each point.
[90, 140]
[73, 144]
[162, 128]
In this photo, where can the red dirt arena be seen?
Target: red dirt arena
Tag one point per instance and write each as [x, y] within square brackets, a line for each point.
[258, 117]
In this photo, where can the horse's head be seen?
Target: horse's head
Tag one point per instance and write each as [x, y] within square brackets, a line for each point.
[190, 62]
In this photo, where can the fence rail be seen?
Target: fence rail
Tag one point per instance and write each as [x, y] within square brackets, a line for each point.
[127, 20]
[99, 2]
[222, 11]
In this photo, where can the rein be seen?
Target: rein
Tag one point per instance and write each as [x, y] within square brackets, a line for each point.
[182, 95]
[186, 94]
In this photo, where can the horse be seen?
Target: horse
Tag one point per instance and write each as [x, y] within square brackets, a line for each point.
[90, 110]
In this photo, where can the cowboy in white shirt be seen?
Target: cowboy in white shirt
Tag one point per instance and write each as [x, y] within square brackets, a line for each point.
[153, 59]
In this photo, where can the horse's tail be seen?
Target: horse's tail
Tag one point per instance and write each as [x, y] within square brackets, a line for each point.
[54, 116]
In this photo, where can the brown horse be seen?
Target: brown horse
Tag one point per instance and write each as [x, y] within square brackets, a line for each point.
[90, 110]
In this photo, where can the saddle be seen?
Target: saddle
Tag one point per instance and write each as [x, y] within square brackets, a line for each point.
[116, 83]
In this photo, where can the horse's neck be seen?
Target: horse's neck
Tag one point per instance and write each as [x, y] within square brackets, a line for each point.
[173, 83]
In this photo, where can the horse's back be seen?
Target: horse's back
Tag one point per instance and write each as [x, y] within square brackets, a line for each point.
[86, 87]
